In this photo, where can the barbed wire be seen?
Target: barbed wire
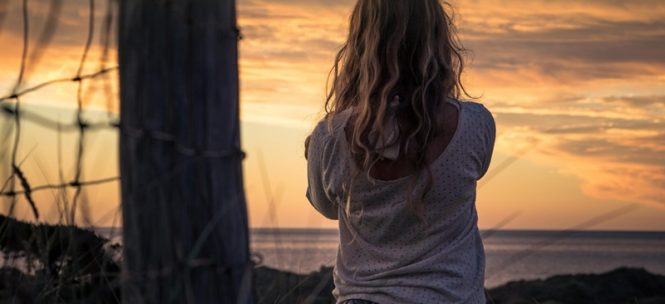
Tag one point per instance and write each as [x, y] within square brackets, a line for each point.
[19, 93]
[72, 184]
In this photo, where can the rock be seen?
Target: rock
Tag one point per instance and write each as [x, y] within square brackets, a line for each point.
[275, 286]
[69, 264]
[623, 285]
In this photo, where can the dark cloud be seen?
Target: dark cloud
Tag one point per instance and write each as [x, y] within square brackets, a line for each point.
[553, 122]
[71, 28]
[603, 126]
[616, 151]
[258, 11]
[604, 49]
[638, 101]
[258, 31]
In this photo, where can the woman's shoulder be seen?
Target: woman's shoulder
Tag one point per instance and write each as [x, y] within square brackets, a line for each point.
[477, 112]
[328, 130]
[473, 106]
[330, 125]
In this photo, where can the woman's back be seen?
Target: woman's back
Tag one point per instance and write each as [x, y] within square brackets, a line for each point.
[387, 253]
[397, 159]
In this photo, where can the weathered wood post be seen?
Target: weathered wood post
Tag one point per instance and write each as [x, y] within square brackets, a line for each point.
[184, 214]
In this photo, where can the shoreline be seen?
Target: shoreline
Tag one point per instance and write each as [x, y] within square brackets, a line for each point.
[621, 285]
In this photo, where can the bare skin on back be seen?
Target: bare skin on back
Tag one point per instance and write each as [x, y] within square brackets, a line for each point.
[390, 170]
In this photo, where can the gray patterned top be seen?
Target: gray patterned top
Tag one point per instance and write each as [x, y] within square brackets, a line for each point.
[386, 253]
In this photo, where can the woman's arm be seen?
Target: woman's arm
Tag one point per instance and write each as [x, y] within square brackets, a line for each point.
[488, 138]
[316, 190]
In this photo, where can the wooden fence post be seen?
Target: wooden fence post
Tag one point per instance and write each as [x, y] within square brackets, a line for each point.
[185, 231]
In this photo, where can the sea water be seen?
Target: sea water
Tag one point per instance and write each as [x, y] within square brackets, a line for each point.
[510, 254]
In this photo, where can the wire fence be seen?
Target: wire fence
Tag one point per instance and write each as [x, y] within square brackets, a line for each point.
[18, 184]
[11, 106]
[56, 258]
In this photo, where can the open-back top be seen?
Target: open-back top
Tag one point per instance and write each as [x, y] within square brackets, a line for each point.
[387, 254]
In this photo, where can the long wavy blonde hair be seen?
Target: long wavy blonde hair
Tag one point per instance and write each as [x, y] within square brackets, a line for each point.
[404, 48]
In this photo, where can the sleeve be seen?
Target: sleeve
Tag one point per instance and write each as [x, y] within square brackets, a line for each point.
[316, 192]
[489, 138]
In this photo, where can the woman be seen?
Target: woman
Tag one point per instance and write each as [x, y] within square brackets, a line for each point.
[397, 158]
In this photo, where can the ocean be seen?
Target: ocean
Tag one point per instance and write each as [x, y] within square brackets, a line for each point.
[510, 254]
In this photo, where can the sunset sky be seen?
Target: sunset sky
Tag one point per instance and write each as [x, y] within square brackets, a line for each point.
[577, 89]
